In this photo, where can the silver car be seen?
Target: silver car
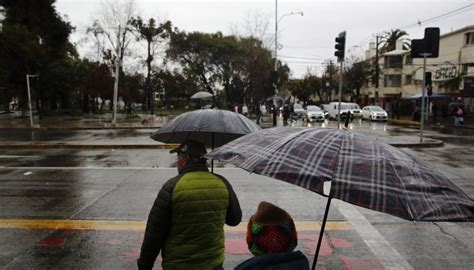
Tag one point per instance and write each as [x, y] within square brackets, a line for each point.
[313, 113]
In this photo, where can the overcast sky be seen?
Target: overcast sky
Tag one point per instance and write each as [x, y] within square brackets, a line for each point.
[306, 41]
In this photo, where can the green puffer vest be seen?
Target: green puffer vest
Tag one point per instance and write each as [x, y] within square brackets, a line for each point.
[199, 206]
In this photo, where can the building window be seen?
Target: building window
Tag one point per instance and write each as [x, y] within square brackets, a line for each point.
[408, 60]
[395, 61]
[392, 80]
[408, 79]
[469, 38]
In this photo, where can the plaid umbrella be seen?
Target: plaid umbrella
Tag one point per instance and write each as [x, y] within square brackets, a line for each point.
[362, 171]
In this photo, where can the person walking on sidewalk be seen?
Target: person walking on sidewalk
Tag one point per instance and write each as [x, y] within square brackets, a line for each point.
[258, 109]
[186, 222]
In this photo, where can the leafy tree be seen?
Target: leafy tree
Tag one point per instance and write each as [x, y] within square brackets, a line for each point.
[38, 36]
[153, 34]
[241, 67]
[390, 38]
[356, 75]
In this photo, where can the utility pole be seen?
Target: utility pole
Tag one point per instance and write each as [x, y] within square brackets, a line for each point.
[28, 76]
[276, 46]
[117, 71]
[376, 94]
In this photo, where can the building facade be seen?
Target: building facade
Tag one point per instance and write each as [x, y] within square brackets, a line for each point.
[452, 72]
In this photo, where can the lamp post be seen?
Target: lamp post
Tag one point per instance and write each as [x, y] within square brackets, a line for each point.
[277, 21]
[28, 76]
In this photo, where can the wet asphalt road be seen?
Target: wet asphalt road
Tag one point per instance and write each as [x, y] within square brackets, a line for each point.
[88, 207]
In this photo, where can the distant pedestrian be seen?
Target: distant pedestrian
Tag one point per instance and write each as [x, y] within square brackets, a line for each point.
[286, 113]
[245, 110]
[273, 108]
[129, 109]
[348, 117]
[258, 110]
[186, 222]
[459, 115]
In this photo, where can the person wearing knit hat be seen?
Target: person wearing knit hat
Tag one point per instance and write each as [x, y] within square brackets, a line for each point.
[271, 237]
[271, 230]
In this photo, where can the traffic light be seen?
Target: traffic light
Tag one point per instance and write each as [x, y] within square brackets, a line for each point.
[340, 46]
[428, 78]
[428, 45]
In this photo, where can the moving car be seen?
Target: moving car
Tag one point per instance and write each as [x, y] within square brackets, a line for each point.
[374, 113]
[298, 110]
[325, 109]
[333, 110]
[355, 110]
[313, 113]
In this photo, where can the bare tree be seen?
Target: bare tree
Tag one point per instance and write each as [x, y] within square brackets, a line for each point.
[113, 21]
[256, 25]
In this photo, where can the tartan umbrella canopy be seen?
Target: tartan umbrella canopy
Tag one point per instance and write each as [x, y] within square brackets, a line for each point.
[362, 171]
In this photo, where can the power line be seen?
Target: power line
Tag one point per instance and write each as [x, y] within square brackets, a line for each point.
[450, 13]
[304, 58]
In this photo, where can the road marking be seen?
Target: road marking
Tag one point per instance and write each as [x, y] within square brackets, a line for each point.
[102, 168]
[380, 247]
[139, 225]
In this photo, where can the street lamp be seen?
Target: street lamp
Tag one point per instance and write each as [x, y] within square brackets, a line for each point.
[360, 48]
[28, 76]
[277, 21]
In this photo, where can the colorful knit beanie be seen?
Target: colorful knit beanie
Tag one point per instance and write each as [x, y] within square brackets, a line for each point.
[271, 230]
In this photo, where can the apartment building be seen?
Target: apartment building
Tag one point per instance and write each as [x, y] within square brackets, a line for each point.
[452, 72]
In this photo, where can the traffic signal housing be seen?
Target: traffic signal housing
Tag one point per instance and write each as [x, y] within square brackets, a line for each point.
[340, 46]
[429, 45]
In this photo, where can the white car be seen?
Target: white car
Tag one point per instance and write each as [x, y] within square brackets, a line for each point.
[374, 113]
[355, 110]
[313, 113]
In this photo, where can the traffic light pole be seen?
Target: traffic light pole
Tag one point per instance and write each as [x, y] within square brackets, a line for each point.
[339, 97]
[423, 92]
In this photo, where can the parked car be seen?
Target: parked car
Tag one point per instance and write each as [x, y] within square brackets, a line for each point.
[298, 110]
[374, 113]
[313, 113]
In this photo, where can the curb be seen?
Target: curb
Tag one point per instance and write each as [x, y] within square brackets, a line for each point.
[87, 146]
[428, 143]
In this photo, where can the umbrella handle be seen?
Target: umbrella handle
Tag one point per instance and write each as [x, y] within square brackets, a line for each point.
[212, 160]
[321, 234]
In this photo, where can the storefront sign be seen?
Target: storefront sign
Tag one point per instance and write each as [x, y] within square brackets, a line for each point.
[448, 72]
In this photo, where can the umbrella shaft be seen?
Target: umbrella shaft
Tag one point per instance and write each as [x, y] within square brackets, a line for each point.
[321, 234]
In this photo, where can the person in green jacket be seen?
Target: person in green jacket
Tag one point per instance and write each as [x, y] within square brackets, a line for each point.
[186, 221]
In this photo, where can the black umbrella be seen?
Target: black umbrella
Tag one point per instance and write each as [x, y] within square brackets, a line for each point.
[212, 127]
[362, 171]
